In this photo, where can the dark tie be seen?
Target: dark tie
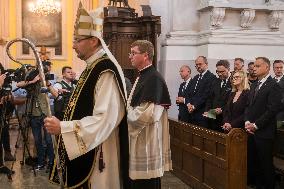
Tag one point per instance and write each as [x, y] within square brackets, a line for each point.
[199, 77]
[256, 88]
[183, 86]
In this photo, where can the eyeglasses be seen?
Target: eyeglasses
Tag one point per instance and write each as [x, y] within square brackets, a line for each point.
[220, 71]
[131, 54]
[79, 40]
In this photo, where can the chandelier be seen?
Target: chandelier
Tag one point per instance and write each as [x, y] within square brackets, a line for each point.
[45, 7]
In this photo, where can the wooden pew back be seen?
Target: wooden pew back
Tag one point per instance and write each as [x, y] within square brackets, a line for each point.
[203, 158]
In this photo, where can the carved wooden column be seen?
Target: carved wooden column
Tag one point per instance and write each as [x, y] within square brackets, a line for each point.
[122, 27]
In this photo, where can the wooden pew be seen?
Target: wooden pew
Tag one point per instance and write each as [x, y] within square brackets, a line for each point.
[279, 157]
[205, 159]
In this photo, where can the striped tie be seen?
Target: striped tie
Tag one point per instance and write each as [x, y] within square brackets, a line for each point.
[199, 77]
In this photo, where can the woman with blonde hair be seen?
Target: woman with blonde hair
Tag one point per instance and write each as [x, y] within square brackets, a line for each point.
[233, 116]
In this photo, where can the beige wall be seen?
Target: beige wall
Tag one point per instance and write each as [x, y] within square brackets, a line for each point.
[4, 29]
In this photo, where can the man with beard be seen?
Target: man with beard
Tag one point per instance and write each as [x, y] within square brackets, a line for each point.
[93, 138]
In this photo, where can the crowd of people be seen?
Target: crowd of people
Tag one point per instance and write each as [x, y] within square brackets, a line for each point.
[105, 140]
[110, 137]
[26, 98]
[251, 100]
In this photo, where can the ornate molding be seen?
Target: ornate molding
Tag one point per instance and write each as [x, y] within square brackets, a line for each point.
[234, 5]
[247, 16]
[275, 19]
[225, 37]
[275, 2]
[208, 2]
[217, 17]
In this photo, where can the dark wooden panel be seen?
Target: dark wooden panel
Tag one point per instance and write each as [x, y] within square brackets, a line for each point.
[197, 141]
[192, 165]
[176, 159]
[216, 180]
[209, 159]
[123, 29]
[220, 150]
[210, 146]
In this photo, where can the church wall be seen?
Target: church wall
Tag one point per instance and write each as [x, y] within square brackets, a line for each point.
[185, 37]
[187, 32]
[12, 18]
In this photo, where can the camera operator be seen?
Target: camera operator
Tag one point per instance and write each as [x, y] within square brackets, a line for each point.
[4, 127]
[6, 109]
[62, 91]
[51, 78]
[37, 107]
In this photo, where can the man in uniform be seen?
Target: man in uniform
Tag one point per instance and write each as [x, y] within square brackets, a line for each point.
[93, 138]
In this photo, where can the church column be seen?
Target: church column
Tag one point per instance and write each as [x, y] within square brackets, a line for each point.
[4, 30]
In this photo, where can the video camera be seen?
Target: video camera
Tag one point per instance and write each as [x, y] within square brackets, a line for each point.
[25, 73]
[33, 72]
[11, 75]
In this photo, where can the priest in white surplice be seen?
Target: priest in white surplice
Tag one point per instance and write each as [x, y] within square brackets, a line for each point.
[93, 138]
[148, 125]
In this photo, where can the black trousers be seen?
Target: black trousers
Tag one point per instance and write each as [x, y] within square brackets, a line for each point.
[215, 124]
[1, 156]
[6, 138]
[260, 163]
[153, 183]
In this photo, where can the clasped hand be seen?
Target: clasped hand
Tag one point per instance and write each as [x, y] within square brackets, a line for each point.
[52, 125]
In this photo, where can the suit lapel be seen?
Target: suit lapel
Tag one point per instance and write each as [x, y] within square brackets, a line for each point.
[220, 87]
[182, 89]
[263, 87]
[200, 81]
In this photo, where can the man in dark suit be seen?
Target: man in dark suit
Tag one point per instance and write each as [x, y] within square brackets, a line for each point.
[278, 71]
[185, 72]
[220, 91]
[260, 123]
[198, 92]
[239, 64]
[251, 75]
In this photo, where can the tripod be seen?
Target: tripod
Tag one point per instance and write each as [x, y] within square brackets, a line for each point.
[34, 116]
[24, 125]
[3, 121]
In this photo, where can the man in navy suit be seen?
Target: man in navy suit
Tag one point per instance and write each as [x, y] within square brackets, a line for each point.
[278, 71]
[219, 94]
[199, 91]
[184, 72]
[260, 123]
